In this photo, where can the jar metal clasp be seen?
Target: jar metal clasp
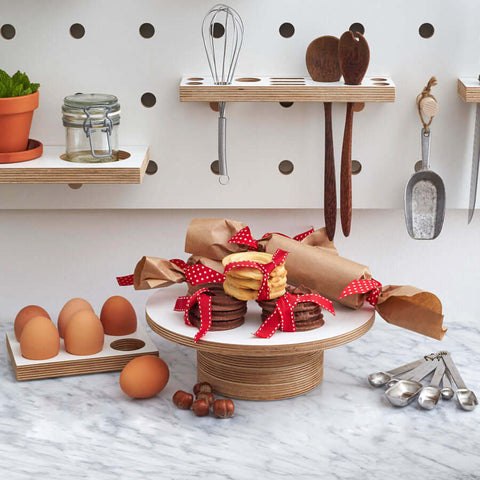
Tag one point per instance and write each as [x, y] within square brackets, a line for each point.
[106, 123]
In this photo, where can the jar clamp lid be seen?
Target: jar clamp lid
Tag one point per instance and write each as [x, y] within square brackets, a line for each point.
[92, 111]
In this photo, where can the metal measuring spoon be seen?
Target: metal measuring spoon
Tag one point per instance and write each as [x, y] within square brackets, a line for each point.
[378, 379]
[429, 396]
[447, 390]
[409, 374]
[404, 391]
[466, 398]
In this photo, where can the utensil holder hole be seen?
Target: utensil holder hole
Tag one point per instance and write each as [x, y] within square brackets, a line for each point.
[148, 100]
[77, 30]
[247, 79]
[194, 83]
[127, 344]
[379, 79]
[146, 30]
[356, 167]
[286, 30]
[357, 28]
[7, 31]
[286, 167]
[195, 79]
[426, 30]
[381, 83]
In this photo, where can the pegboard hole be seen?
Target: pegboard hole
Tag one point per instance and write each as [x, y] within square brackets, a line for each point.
[426, 30]
[286, 30]
[77, 30]
[286, 104]
[215, 168]
[7, 31]
[418, 166]
[147, 30]
[194, 83]
[75, 186]
[195, 79]
[152, 168]
[217, 30]
[356, 167]
[357, 28]
[148, 100]
[247, 79]
[286, 167]
[379, 79]
[381, 83]
[127, 344]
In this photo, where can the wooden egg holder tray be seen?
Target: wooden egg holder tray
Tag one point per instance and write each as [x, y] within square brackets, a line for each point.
[239, 365]
[116, 353]
[196, 88]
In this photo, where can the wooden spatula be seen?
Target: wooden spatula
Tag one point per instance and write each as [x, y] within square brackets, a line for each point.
[323, 66]
[354, 56]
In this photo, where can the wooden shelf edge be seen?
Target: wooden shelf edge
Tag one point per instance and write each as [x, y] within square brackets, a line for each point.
[293, 89]
[105, 174]
[468, 89]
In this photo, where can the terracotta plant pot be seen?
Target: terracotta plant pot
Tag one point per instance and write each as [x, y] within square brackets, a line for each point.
[16, 115]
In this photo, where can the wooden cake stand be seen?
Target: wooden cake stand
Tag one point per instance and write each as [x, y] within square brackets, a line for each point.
[239, 365]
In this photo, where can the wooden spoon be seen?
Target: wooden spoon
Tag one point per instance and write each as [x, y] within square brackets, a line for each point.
[354, 55]
[323, 66]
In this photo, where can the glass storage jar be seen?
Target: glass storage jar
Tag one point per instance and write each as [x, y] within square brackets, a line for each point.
[91, 122]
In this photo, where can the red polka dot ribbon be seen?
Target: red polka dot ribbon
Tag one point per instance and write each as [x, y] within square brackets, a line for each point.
[370, 286]
[125, 281]
[244, 237]
[203, 298]
[277, 259]
[283, 315]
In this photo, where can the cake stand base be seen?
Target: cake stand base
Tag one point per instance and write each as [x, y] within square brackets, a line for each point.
[261, 378]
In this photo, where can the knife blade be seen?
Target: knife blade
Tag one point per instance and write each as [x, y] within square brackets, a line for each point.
[475, 162]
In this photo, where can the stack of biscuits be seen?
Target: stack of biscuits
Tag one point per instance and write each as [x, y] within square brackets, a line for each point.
[308, 315]
[244, 283]
[227, 312]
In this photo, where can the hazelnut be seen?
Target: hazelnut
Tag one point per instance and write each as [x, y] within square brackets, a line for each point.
[200, 407]
[207, 396]
[202, 387]
[182, 400]
[223, 408]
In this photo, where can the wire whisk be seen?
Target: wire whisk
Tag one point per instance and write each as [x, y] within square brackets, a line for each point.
[222, 34]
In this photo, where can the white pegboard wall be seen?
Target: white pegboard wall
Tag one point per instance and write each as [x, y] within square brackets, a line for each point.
[113, 57]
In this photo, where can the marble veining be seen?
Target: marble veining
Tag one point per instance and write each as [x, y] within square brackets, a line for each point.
[84, 427]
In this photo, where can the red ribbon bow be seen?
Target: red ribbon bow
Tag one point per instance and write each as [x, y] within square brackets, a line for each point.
[197, 274]
[372, 287]
[284, 316]
[278, 258]
[244, 237]
[204, 300]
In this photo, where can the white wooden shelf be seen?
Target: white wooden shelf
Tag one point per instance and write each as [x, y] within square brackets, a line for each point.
[195, 88]
[469, 89]
[50, 168]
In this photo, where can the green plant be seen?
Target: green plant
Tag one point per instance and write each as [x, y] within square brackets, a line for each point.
[16, 86]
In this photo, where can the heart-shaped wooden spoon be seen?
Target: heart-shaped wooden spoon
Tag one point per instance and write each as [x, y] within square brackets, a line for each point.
[323, 66]
[354, 56]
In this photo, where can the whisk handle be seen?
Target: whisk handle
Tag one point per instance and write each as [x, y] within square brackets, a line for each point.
[222, 147]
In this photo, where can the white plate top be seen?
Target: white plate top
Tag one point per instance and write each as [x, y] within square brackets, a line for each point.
[160, 310]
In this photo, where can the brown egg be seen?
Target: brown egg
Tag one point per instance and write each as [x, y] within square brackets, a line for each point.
[40, 339]
[25, 315]
[69, 309]
[118, 316]
[144, 377]
[84, 334]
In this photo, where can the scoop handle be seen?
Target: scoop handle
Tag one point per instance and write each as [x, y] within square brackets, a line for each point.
[426, 149]
[346, 173]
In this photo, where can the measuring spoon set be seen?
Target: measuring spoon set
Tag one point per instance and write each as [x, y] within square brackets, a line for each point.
[404, 383]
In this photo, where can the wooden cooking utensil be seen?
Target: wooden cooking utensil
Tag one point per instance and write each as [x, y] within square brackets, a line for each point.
[323, 66]
[354, 56]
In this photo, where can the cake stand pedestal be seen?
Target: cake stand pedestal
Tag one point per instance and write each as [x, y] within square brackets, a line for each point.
[239, 365]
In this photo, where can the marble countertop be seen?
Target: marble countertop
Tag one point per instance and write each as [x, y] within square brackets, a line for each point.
[85, 427]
